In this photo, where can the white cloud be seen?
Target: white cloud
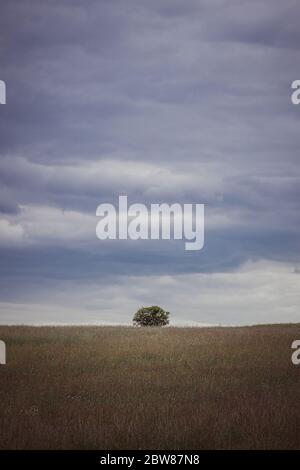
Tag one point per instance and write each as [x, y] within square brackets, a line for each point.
[11, 234]
[35, 225]
[259, 292]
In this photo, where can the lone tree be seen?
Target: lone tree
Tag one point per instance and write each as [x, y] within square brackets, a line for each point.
[151, 316]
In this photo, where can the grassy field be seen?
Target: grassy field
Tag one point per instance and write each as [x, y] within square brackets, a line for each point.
[127, 388]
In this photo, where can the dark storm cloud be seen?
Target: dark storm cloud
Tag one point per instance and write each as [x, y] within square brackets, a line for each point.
[166, 101]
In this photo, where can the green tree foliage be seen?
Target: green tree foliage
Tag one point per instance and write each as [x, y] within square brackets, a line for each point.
[151, 316]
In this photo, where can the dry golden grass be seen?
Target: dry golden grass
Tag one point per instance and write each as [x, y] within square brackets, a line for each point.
[127, 388]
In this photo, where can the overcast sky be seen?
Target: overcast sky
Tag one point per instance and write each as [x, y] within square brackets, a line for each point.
[165, 101]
